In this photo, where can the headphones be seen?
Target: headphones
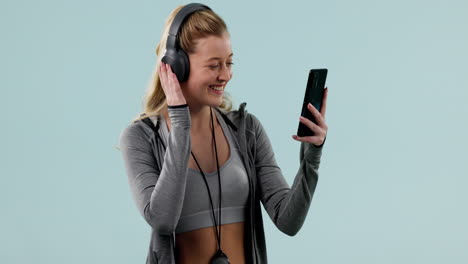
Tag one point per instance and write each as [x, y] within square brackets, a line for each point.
[175, 55]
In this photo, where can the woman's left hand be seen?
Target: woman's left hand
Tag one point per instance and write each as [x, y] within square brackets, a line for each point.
[320, 129]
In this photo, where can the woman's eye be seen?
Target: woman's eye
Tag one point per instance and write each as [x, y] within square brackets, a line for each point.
[228, 64]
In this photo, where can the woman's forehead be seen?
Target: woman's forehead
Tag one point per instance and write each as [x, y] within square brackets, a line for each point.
[213, 47]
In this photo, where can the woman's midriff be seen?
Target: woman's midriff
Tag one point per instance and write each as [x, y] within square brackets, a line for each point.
[199, 246]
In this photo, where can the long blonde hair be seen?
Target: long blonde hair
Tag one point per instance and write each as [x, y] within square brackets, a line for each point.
[198, 25]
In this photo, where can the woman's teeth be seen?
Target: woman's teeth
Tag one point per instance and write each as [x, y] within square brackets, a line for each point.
[217, 88]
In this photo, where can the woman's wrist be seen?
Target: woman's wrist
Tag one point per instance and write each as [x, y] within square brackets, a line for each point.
[177, 105]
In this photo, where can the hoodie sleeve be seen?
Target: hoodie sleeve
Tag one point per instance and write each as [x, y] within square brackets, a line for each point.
[286, 206]
[159, 195]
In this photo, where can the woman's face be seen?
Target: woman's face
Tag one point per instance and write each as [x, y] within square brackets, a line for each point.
[210, 65]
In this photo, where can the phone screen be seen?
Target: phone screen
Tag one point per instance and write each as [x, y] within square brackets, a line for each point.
[313, 95]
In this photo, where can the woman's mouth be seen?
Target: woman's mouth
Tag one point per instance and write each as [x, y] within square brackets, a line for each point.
[217, 89]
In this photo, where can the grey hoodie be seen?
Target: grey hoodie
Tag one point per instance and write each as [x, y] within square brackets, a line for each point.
[158, 175]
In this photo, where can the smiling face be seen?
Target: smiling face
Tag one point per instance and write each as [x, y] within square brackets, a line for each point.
[210, 66]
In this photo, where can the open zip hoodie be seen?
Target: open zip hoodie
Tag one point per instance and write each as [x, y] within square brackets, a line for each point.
[157, 170]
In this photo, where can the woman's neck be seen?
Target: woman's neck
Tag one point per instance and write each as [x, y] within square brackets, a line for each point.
[200, 119]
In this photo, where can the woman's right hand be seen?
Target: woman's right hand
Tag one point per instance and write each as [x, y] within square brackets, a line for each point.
[171, 85]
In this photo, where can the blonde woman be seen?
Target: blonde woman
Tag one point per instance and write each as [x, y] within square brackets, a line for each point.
[199, 170]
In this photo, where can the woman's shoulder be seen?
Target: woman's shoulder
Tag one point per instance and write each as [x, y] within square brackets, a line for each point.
[137, 131]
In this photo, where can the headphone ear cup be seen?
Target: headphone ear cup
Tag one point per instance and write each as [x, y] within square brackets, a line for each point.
[179, 62]
[184, 65]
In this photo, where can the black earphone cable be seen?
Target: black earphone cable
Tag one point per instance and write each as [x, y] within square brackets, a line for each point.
[218, 233]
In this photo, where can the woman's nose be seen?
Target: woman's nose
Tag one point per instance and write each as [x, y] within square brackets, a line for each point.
[225, 73]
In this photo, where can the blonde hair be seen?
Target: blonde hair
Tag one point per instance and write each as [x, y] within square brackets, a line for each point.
[198, 25]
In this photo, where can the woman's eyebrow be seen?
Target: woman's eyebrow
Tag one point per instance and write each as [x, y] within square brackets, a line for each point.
[218, 58]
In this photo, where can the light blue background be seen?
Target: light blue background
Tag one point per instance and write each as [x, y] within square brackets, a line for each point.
[393, 176]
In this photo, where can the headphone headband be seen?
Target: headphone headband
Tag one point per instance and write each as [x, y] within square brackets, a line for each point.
[179, 20]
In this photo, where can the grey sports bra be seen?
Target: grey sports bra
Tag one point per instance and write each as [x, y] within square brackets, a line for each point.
[196, 211]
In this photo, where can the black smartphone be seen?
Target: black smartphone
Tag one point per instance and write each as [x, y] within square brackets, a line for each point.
[313, 95]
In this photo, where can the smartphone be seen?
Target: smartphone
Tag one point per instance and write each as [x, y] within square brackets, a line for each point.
[314, 95]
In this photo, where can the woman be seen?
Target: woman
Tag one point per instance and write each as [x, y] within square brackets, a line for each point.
[199, 170]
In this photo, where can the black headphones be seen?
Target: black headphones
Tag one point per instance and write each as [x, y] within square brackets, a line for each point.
[175, 55]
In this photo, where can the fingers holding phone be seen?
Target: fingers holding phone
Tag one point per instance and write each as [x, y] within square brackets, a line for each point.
[324, 102]
[320, 129]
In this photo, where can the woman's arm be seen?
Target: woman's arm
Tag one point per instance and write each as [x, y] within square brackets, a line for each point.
[159, 195]
[286, 206]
